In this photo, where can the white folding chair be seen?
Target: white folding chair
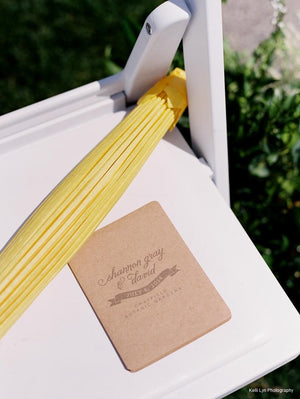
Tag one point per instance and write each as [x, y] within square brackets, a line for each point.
[58, 349]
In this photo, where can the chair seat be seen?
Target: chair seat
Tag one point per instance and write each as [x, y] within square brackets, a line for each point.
[58, 348]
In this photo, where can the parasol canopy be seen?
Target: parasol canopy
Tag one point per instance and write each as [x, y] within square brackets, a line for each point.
[73, 210]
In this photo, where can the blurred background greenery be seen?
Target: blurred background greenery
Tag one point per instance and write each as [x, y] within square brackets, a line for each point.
[50, 46]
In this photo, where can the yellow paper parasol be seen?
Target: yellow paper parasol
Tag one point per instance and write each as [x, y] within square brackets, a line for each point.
[73, 210]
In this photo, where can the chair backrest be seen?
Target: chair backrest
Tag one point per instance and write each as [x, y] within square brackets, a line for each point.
[203, 57]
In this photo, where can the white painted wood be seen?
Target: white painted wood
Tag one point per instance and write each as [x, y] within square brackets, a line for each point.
[155, 48]
[60, 104]
[72, 108]
[58, 349]
[203, 57]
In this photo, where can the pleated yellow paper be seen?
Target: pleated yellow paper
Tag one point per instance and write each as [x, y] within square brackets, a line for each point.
[74, 209]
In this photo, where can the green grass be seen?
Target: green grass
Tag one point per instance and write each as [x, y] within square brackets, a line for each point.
[48, 47]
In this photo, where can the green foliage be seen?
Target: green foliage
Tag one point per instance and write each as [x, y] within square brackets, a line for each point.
[263, 121]
[263, 116]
